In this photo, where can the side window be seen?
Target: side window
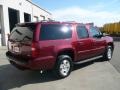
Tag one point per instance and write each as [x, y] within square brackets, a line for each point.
[94, 32]
[82, 32]
[55, 32]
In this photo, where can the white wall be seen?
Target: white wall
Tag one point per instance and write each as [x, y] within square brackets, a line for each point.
[0, 16]
[26, 6]
[23, 6]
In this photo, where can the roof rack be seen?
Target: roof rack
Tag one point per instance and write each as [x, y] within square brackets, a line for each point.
[48, 20]
[71, 21]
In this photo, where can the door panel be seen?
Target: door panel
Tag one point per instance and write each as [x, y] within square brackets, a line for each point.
[98, 42]
[98, 46]
[84, 48]
[84, 43]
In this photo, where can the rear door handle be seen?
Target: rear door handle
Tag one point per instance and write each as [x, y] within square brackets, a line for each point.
[81, 43]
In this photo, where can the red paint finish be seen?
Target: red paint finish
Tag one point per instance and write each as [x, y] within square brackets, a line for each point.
[42, 55]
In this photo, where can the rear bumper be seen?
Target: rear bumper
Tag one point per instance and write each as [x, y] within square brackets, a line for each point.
[32, 64]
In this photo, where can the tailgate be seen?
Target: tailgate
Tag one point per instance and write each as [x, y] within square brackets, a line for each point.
[21, 38]
[20, 48]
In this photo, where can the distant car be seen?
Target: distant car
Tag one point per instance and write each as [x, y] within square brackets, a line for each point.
[56, 46]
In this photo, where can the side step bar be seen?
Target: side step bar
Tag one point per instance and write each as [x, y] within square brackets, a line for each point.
[87, 60]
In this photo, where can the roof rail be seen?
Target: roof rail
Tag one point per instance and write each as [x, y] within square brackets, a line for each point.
[71, 21]
[44, 20]
[48, 20]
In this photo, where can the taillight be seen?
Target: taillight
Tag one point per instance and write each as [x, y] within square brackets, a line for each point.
[34, 50]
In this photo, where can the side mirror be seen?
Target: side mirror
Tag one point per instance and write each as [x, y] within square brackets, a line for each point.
[98, 35]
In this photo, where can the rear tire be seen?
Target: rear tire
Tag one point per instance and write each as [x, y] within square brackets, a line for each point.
[63, 66]
[108, 53]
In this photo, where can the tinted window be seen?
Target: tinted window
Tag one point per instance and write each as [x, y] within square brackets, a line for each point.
[22, 33]
[55, 31]
[94, 32]
[82, 32]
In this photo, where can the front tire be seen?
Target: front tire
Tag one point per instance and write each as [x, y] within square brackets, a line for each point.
[108, 53]
[63, 66]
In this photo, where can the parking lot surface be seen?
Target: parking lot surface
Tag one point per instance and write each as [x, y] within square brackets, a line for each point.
[116, 57]
[95, 75]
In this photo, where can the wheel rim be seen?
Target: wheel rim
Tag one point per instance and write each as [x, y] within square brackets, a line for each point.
[109, 53]
[65, 67]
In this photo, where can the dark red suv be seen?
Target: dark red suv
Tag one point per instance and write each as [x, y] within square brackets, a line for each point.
[56, 46]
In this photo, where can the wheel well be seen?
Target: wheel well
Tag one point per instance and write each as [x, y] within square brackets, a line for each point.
[111, 44]
[67, 52]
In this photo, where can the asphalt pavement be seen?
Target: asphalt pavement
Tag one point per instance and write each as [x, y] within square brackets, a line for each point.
[116, 57]
[95, 75]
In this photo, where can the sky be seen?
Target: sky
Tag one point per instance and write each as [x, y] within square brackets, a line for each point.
[99, 12]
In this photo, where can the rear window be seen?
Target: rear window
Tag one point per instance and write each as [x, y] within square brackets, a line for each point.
[55, 31]
[22, 33]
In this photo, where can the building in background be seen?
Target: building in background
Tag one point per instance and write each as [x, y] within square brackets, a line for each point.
[18, 11]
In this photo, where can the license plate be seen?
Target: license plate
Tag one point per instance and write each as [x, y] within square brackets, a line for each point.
[16, 49]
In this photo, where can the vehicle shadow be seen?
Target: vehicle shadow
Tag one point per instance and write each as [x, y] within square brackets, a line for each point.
[11, 77]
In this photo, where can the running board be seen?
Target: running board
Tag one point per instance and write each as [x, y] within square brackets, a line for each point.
[87, 60]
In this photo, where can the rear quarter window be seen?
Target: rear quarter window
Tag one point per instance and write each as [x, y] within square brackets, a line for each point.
[55, 32]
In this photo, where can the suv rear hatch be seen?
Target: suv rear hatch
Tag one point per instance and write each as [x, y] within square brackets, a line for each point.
[20, 40]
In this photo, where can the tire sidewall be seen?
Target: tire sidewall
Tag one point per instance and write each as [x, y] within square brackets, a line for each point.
[106, 54]
[60, 59]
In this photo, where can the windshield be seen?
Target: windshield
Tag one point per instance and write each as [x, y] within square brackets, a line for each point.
[22, 33]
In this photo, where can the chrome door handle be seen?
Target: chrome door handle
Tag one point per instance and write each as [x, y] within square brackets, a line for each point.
[81, 43]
